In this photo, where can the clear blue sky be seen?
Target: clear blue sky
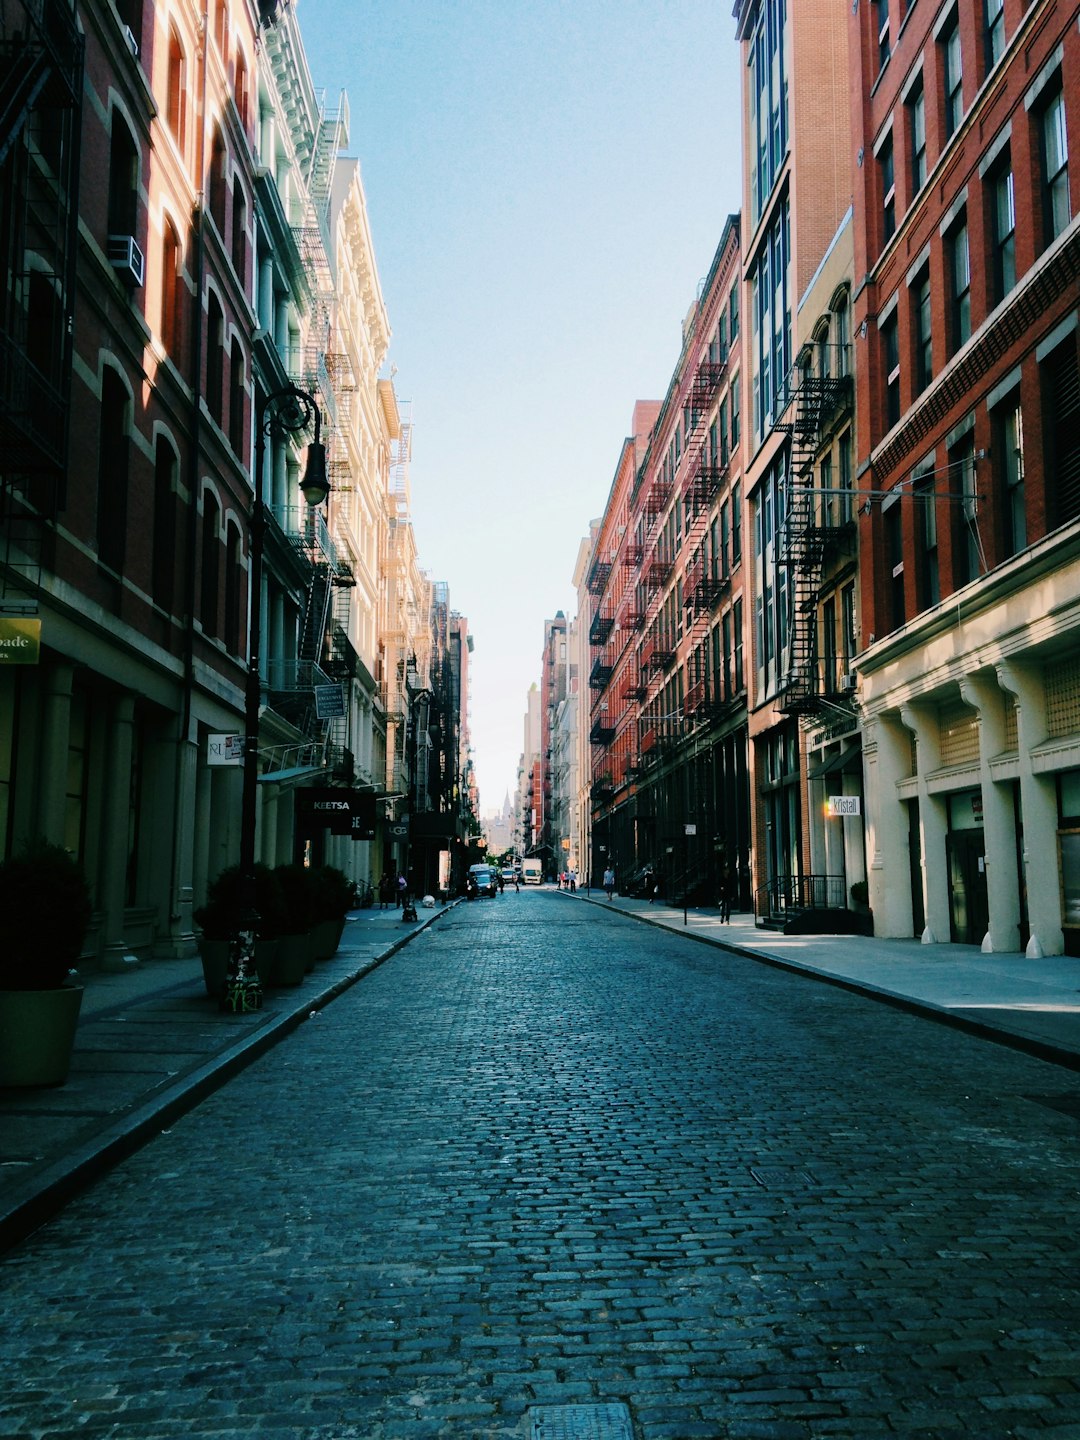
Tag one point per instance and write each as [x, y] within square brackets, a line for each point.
[547, 183]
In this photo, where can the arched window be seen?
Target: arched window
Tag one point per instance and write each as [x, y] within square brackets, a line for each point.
[163, 574]
[123, 179]
[215, 358]
[242, 89]
[239, 229]
[219, 159]
[210, 557]
[176, 90]
[114, 447]
[171, 289]
[236, 398]
[233, 587]
[221, 30]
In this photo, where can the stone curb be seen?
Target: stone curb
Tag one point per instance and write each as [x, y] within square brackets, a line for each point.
[26, 1207]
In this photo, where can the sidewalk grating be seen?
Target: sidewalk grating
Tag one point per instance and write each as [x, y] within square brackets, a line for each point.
[579, 1422]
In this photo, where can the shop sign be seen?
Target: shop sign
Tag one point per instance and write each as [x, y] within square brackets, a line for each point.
[225, 749]
[342, 812]
[840, 806]
[329, 701]
[20, 641]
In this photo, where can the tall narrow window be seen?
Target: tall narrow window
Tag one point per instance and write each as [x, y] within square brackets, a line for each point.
[239, 229]
[959, 287]
[210, 556]
[736, 524]
[842, 328]
[916, 113]
[881, 21]
[890, 353]
[735, 416]
[847, 497]
[894, 551]
[887, 172]
[927, 573]
[737, 626]
[114, 448]
[236, 398]
[733, 313]
[242, 89]
[215, 359]
[952, 68]
[165, 524]
[994, 22]
[921, 332]
[847, 608]
[966, 511]
[1004, 232]
[171, 282]
[1055, 160]
[233, 587]
[1059, 376]
[176, 93]
[123, 179]
[219, 164]
[1010, 440]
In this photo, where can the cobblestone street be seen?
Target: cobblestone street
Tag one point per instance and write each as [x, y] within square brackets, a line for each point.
[547, 1156]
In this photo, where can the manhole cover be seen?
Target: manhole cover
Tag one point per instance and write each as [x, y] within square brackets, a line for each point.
[579, 1422]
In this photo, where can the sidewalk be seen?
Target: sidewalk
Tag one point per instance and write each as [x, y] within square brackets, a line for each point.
[150, 1045]
[1033, 1005]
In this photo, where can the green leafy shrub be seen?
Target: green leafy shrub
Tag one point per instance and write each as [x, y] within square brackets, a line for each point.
[226, 906]
[44, 916]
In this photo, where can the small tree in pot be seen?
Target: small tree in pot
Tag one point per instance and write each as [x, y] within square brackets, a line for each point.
[44, 916]
[222, 917]
[333, 899]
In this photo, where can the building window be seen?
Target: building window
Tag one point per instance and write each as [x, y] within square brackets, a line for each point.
[927, 572]
[894, 554]
[233, 588]
[916, 114]
[771, 357]
[733, 314]
[1003, 229]
[890, 353]
[994, 22]
[176, 92]
[1008, 450]
[736, 524]
[1055, 161]
[768, 101]
[737, 626]
[236, 398]
[959, 286]
[772, 580]
[887, 174]
[847, 496]
[215, 359]
[242, 89]
[966, 545]
[123, 208]
[171, 284]
[164, 553]
[921, 332]
[952, 70]
[842, 328]
[1060, 379]
[847, 610]
[881, 22]
[239, 229]
[210, 552]
[219, 162]
[114, 450]
[734, 400]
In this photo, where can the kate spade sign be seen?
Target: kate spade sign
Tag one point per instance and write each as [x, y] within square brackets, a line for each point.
[20, 641]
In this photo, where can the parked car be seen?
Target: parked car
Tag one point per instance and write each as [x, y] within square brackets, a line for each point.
[485, 879]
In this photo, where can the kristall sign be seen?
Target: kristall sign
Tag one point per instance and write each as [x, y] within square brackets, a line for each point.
[837, 806]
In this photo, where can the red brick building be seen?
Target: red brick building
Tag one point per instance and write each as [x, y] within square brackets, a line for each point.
[969, 466]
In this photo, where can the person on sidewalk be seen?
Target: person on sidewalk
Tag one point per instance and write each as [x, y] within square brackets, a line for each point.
[727, 884]
[386, 890]
[609, 881]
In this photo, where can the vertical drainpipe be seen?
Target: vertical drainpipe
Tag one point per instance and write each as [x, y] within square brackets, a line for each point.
[195, 440]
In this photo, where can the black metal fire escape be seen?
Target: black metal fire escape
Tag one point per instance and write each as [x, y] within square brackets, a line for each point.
[41, 77]
[805, 542]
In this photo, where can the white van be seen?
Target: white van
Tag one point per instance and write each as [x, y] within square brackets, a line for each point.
[532, 872]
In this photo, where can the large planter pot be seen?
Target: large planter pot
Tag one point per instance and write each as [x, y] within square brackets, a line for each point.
[326, 937]
[293, 959]
[37, 1031]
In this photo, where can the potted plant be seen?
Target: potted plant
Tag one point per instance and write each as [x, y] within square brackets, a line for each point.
[333, 894]
[220, 920]
[299, 913]
[45, 910]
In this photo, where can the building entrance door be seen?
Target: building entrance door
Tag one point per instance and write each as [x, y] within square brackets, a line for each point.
[969, 911]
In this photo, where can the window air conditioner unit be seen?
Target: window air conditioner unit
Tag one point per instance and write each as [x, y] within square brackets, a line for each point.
[132, 43]
[848, 681]
[126, 259]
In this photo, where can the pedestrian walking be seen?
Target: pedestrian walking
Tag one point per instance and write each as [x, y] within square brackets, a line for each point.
[609, 881]
[386, 890]
[727, 884]
[649, 884]
[572, 878]
[402, 888]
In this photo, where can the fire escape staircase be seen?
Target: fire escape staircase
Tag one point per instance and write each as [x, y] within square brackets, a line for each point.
[804, 543]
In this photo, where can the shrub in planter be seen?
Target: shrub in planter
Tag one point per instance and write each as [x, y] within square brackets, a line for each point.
[44, 915]
[221, 918]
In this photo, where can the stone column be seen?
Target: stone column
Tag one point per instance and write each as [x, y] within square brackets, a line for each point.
[182, 880]
[116, 816]
[933, 826]
[1038, 806]
[887, 761]
[53, 760]
[983, 694]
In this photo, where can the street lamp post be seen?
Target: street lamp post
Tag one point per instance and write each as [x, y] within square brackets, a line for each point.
[284, 412]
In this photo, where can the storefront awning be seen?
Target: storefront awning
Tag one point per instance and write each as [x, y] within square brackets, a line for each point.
[848, 757]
